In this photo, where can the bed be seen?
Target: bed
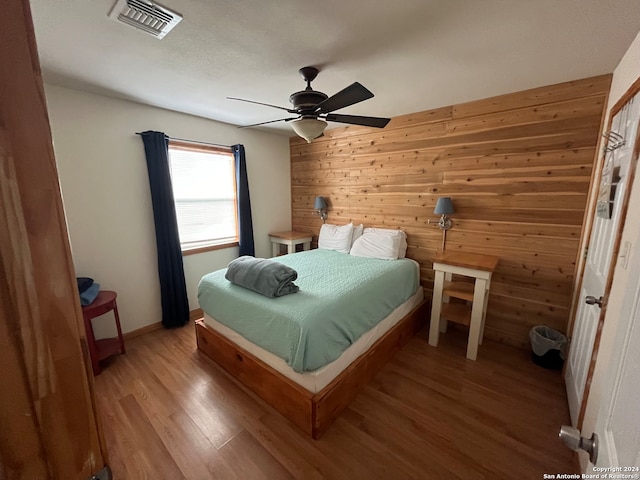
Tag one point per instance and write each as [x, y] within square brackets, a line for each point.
[349, 317]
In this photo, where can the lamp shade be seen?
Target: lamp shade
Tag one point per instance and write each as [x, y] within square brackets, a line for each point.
[308, 128]
[444, 206]
[320, 204]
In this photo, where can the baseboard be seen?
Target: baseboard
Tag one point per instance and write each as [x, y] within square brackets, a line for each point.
[141, 331]
[194, 315]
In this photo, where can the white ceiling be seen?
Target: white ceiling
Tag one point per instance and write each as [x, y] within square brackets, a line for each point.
[414, 55]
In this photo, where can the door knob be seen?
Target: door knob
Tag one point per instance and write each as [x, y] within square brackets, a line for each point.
[591, 300]
[570, 436]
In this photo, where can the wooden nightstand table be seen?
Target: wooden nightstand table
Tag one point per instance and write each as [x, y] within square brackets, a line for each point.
[103, 348]
[290, 239]
[478, 267]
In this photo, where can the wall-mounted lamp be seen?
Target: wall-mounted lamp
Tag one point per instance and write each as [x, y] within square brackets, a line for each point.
[320, 205]
[444, 207]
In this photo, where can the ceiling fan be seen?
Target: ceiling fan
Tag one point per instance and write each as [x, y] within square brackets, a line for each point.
[313, 108]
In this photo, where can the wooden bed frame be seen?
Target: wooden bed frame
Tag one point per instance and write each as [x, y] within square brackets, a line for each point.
[312, 412]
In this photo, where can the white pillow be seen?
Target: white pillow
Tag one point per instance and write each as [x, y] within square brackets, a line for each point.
[376, 245]
[334, 237]
[357, 232]
[402, 246]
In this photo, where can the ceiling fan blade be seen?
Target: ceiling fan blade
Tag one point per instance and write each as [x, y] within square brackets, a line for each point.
[354, 93]
[265, 104]
[358, 120]
[270, 121]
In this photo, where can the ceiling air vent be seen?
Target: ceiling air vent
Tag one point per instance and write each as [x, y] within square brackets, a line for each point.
[148, 16]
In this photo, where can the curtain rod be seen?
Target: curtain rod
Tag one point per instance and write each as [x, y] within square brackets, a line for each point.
[193, 141]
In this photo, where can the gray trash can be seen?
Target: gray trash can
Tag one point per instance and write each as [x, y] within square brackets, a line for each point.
[548, 347]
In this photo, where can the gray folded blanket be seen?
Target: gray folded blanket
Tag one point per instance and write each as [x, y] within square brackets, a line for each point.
[269, 278]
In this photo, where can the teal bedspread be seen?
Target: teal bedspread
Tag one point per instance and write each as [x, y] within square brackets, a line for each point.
[340, 298]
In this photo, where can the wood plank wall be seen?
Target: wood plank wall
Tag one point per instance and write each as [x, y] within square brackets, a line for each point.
[517, 166]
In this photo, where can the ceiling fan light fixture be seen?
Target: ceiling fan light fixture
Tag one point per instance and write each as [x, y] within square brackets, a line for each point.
[310, 105]
[308, 127]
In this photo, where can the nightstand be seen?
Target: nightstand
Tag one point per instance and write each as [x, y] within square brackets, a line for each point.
[103, 348]
[479, 267]
[291, 240]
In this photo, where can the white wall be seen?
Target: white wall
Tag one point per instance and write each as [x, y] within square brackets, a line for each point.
[105, 190]
[625, 74]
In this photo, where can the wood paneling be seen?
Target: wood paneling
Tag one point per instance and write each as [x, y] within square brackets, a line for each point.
[517, 167]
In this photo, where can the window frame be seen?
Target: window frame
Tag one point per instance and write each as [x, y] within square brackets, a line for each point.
[209, 149]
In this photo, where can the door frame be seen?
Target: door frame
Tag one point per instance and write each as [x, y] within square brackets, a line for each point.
[48, 413]
[631, 92]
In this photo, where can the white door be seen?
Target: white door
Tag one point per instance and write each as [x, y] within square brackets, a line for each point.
[617, 424]
[604, 232]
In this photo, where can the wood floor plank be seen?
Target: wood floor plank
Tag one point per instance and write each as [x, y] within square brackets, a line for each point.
[195, 439]
[169, 412]
[304, 448]
[346, 441]
[148, 444]
[217, 423]
[292, 459]
[251, 459]
[432, 449]
[179, 440]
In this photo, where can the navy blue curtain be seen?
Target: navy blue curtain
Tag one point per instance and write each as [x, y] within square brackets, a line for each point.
[173, 289]
[245, 225]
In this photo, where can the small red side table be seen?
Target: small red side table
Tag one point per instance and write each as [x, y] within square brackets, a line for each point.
[103, 348]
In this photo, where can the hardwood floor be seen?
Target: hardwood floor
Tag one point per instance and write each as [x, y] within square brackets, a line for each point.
[170, 413]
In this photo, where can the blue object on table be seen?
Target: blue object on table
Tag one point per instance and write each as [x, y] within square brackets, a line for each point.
[84, 283]
[90, 294]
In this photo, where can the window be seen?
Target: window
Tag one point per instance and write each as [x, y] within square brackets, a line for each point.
[204, 190]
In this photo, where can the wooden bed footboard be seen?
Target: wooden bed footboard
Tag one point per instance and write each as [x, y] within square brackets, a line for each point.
[313, 413]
